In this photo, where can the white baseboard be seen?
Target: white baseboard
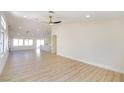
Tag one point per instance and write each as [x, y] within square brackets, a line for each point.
[91, 63]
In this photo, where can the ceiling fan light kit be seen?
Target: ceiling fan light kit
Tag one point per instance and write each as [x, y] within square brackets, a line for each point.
[50, 19]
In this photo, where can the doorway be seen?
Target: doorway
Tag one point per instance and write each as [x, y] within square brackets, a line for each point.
[54, 44]
[39, 44]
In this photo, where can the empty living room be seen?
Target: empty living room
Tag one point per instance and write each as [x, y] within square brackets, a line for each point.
[62, 46]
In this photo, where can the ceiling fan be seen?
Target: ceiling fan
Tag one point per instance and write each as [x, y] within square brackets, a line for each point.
[51, 22]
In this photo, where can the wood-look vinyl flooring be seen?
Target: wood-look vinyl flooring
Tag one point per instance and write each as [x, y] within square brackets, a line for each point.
[37, 66]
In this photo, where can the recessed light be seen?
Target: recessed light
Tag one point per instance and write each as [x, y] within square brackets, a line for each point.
[20, 27]
[25, 16]
[18, 34]
[88, 16]
[37, 29]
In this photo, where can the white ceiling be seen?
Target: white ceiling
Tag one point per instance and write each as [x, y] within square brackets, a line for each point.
[42, 16]
[37, 21]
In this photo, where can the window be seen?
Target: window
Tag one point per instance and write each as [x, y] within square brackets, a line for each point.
[15, 42]
[20, 42]
[26, 42]
[2, 28]
[3, 23]
[30, 42]
[42, 42]
[1, 42]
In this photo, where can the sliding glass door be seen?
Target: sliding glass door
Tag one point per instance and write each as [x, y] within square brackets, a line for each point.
[39, 43]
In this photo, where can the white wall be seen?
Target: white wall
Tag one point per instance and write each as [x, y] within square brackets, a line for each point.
[3, 57]
[98, 42]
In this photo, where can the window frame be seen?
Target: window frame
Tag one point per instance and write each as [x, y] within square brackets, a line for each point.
[20, 43]
[3, 23]
[25, 42]
[17, 43]
[2, 42]
[42, 42]
[31, 42]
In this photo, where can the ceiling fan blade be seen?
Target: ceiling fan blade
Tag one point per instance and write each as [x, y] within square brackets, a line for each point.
[52, 12]
[57, 22]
